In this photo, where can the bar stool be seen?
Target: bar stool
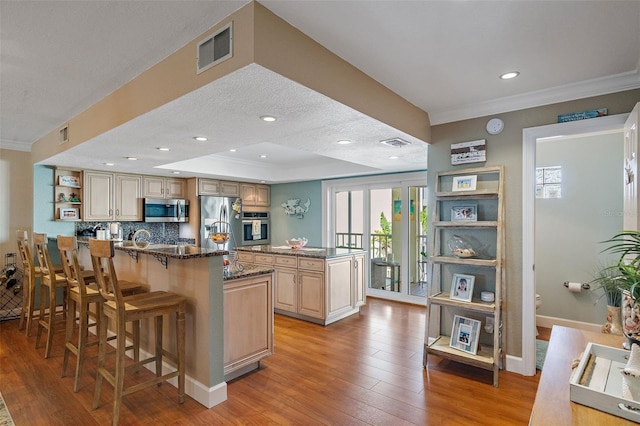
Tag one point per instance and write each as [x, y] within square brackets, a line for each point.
[134, 308]
[27, 311]
[80, 297]
[51, 281]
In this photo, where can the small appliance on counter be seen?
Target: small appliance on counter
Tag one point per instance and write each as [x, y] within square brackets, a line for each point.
[115, 228]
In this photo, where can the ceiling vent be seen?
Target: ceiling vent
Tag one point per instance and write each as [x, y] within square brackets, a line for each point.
[396, 142]
[216, 48]
[63, 135]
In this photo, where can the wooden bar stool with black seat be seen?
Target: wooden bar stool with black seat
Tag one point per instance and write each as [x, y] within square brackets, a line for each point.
[134, 308]
[51, 281]
[80, 296]
[32, 272]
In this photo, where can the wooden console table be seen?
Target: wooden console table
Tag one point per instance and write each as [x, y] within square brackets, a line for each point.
[553, 405]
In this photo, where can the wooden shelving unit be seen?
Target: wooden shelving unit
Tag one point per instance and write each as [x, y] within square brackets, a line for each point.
[486, 235]
[67, 195]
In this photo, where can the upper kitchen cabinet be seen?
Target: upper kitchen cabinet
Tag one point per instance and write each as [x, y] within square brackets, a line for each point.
[67, 195]
[220, 188]
[159, 187]
[255, 195]
[110, 196]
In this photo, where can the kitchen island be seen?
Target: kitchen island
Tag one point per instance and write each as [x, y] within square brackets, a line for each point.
[316, 284]
[198, 274]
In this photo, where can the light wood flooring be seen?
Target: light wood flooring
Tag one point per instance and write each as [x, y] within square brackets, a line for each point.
[363, 370]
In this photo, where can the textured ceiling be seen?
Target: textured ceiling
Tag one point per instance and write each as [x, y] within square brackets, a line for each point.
[57, 58]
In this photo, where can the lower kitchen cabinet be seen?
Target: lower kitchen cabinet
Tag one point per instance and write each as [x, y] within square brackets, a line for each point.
[248, 323]
[320, 290]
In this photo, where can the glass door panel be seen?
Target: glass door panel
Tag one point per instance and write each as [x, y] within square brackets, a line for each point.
[349, 226]
[418, 241]
[386, 238]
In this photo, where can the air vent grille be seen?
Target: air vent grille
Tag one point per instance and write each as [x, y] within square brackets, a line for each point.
[395, 142]
[216, 48]
[63, 135]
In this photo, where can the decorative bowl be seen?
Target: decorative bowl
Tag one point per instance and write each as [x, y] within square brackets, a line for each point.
[220, 237]
[296, 243]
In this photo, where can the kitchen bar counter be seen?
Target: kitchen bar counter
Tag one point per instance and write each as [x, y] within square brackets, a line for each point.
[314, 252]
[165, 250]
[248, 271]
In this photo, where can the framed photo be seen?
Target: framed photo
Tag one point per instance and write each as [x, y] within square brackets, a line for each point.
[464, 183]
[465, 334]
[69, 214]
[464, 213]
[71, 181]
[462, 287]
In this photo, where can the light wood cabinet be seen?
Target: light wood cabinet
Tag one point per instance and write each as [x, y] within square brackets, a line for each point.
[474, 344]
[160, 187]
[67, 195]
[315, 289]
[248, 323]
[220, 188]
[255, 195]
[111, 196]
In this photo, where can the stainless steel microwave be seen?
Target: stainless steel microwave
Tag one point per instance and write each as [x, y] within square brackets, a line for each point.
[161, 210]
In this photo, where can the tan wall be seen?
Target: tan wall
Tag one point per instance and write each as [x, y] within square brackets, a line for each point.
[16, 200]
[506, 149]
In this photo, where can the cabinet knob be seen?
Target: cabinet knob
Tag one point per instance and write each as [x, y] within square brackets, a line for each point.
[110, 212]
[117, 212]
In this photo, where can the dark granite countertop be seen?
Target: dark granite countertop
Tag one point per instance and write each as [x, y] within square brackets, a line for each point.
[314, 252]
[164, 250]
[247, 271]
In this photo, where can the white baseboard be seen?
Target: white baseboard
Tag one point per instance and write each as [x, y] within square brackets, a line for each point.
[549, 322]
[515, 364]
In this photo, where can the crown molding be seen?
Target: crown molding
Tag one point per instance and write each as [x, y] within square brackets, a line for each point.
[584, 89]
[15, 145]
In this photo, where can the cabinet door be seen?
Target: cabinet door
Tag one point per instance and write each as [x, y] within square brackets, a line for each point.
[248, 192]
[175, 188]
[311, 294]
[229, 189]
[285, 289]
[98, 196]
[262, 195]
[208, 187]
[153, 187]
[128, 198]
[359, 280]
[340, 282]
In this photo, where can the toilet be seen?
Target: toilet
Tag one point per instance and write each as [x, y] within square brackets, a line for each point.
[538, 304]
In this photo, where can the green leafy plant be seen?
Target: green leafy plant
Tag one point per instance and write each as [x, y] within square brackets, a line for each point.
[626, 273]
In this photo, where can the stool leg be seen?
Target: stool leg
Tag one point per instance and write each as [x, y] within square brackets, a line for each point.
[118, 384]
[159, 346]
[83, 335]
[52, 319]
[102, 354]
[67, 338]
[180, 329]
[31, 306]
[43, 297]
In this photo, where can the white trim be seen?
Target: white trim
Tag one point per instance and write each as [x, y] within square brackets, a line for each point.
[529, 139]
[549, 322]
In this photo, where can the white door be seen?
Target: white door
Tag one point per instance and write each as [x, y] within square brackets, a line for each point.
[631, 170]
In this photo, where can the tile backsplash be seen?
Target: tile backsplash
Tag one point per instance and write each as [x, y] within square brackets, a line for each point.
[161, 233]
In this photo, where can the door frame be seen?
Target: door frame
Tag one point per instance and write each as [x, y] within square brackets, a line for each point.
[526, 365]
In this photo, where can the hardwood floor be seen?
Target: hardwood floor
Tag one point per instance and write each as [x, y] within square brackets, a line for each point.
[365, 369]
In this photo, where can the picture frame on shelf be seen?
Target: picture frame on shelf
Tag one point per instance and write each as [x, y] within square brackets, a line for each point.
[465, 334]
[464, 183]
[464, 213]
[72, 181]
[69, 214]
[462, 287]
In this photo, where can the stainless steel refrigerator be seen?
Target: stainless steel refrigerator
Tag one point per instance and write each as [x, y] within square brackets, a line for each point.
[215, 214]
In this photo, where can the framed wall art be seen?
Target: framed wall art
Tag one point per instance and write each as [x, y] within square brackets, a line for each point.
[464, 213]
[464, 183]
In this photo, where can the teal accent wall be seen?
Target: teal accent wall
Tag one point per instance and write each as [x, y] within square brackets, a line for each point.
[43, 199]
[284, 226]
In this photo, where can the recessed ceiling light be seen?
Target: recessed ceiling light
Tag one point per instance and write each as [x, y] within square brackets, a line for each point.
[344, 142]
[132, 158]
[108, 164]
[232, 150]
[175, 172]
[200, 138]
[509, 75]
[162, 148]
[268, 118]
[393, 157]
[263, 181]
[263, 156]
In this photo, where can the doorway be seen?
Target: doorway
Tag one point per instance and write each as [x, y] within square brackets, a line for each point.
[531, 136]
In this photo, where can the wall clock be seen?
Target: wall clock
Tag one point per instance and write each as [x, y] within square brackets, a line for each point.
[495, 126]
